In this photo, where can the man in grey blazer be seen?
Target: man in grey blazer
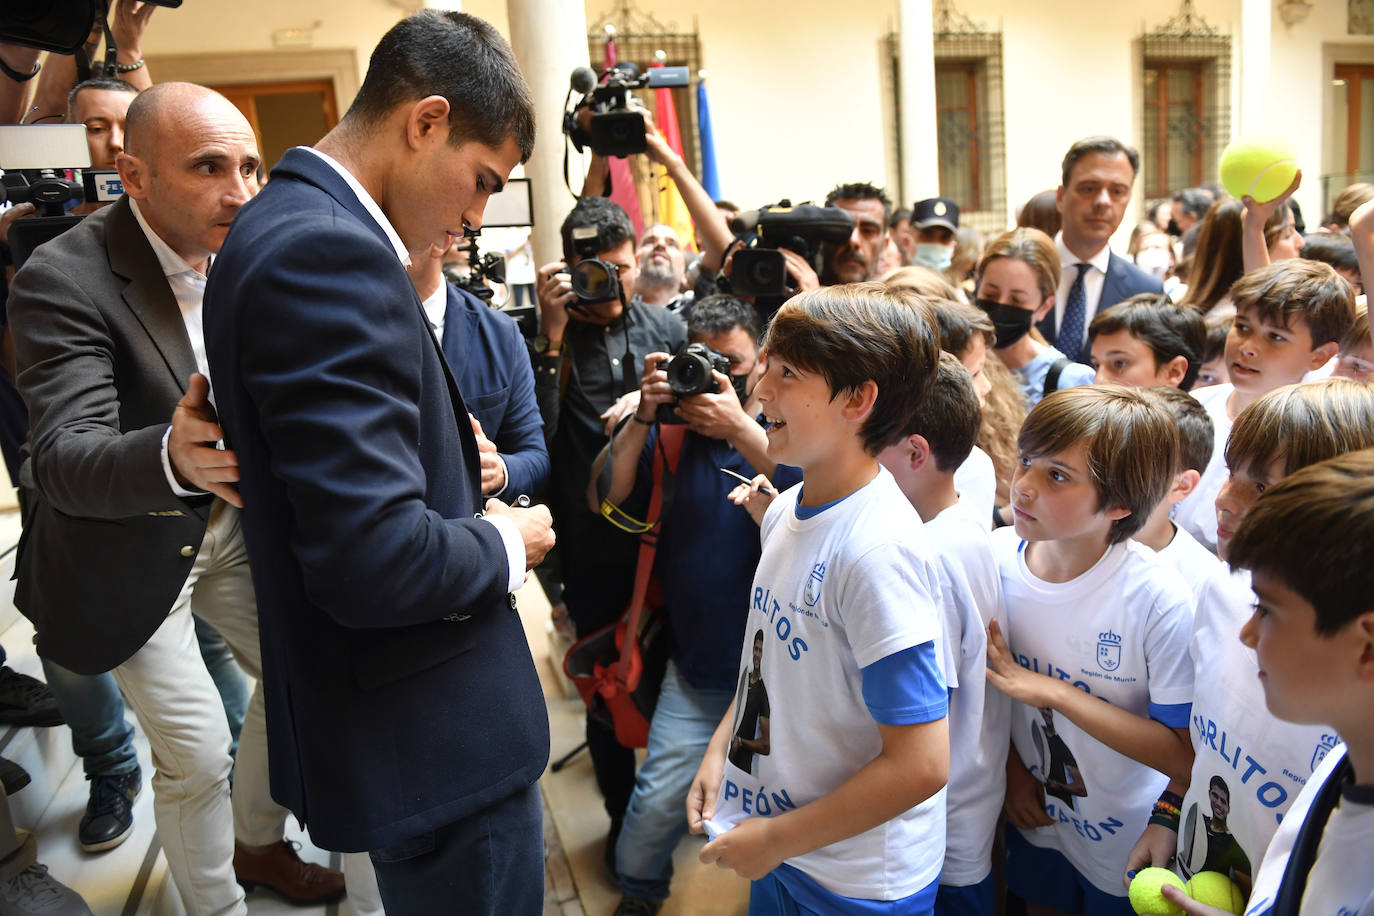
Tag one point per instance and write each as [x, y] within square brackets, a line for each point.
[130, 516]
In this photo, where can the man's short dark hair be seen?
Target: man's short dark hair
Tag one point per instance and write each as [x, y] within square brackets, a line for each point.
[860, 190]
[1168, 330]
[1194, 200]
[1196, 434]
[949, 418]
[721, 314]
[461, 58]
[897, 216]
[1107, 146]
[612, 224]
[102, 83]
[1329, 248]
[1312, 532]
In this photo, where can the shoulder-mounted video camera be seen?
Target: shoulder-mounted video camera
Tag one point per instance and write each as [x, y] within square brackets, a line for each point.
[759, 268]
[615, 128]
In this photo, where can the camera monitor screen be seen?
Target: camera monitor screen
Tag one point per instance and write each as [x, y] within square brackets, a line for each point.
[511, 206]
[43, 146]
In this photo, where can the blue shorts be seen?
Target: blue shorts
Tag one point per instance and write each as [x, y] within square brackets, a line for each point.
[975, 900]
[1045, 877]
[786, 891]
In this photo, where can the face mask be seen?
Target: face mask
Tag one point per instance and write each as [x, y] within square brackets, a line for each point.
[1010, 322]
[1154, 261]
[932, 255]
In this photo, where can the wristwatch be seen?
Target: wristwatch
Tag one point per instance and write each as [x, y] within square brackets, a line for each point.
[542, 344]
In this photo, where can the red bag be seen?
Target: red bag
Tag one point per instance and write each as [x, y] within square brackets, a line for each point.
[619, 668]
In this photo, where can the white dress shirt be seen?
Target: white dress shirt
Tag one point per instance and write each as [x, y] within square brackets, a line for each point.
[1093, 281]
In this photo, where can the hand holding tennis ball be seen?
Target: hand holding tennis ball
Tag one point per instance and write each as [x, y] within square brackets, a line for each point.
[1146, 896]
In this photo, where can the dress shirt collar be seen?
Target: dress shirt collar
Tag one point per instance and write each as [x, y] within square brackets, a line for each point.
[436, 305]
[368, 203]
[172, 263]
[1067, 258]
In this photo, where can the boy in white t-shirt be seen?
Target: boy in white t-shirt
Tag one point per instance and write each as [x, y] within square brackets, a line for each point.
[1250, 766]
[1289, 319]
[1312, 632]
[924, 463]
[1096, 650]
[1173, 544]
[847, 807]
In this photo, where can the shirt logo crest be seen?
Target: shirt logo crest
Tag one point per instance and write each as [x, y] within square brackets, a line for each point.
[1324, 747]
[813, 584]
[1108, 651]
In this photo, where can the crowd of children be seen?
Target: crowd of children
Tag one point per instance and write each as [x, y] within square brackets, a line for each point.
[1165, 658]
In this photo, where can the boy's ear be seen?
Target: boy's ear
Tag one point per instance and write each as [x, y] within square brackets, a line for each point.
[1174, 371]
[1322, 355]
[1184, 484]
[1116, 513]
[858, 403]
[918, 452]
[1364, 631]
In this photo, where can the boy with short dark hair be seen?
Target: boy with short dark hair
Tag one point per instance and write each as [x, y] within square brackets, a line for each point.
[1312, 631]
[925, 465]
[847, 807]
[1147, 341]
[1290, 317]
[1095, 616]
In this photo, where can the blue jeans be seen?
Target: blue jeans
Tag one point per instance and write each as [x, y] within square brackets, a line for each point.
[684, 720]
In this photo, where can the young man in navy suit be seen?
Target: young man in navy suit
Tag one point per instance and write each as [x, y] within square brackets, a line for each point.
[404, 711]
[1098, 175]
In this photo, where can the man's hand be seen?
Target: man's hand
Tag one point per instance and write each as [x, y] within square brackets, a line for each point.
[535, 525]
[653, 387]
[748, 848]
[127, 24]
[755, 496]
[18, 211]
[554, 290]
[1156, 847]
[802, 274]
[717, 415]
[655, 147]
[624, 405]
[1025, 800]
[196, 463]
[493, 468]
[1016, 682]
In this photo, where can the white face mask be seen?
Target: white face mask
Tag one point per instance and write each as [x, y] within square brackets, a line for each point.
[1154, 261]
[932, 255]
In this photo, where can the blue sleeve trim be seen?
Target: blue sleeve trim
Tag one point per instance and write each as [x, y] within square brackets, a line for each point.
[906, 687]
[1176, 715]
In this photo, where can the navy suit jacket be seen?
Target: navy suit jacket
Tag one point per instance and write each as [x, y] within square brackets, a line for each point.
[489, 357]
[401, 694]
[1123, 281]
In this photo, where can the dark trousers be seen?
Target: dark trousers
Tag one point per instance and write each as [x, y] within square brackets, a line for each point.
[490, 862]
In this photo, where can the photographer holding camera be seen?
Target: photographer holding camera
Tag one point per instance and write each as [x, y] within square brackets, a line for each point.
[705, 561]
[593, 337]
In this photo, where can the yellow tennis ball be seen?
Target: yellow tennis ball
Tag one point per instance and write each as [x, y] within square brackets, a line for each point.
[1262, 167]
[1215, 889]
[1146, 898]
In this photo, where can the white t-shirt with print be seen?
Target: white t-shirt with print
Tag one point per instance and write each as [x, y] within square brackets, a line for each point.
[976, 481]
[1340, 882]
[1256, 763]
[1198, 512]
[979, 715]
[835, 593]
[1120, 632]
[1194, 562]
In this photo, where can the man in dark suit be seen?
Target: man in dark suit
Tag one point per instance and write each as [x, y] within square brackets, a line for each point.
[1098, 174]
[404, 712]
[129, 519]
[491, 364]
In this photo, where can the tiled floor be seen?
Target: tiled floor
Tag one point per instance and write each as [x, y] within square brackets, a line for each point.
[132, 879]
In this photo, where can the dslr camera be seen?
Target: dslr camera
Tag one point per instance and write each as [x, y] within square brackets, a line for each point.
[615, 128]
[759, 268]
[593, 280]
[689, 373]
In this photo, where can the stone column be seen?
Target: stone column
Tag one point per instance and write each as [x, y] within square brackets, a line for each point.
[550, 39]
[916, 95]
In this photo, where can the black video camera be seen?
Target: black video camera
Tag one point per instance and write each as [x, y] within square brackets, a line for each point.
[481, 269]
[689, 373]
[615, 128]
[759, 269]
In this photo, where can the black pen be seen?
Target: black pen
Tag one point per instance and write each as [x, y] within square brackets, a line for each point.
[742, 479]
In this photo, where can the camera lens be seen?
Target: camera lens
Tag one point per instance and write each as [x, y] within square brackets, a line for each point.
[591, 280]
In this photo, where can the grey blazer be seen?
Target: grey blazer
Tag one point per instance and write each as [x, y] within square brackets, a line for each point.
[103, 358]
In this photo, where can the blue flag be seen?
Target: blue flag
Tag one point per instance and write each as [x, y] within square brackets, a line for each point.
[710, 175]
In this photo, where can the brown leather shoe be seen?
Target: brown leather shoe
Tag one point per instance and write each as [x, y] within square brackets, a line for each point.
[281, 870]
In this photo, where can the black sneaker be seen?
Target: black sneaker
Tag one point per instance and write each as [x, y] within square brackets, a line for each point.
[636, 906]
[13, 777]
[26, 701]
[109, 817]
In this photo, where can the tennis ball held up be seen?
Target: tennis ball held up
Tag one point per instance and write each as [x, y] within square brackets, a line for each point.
[1146, 898]
[1258, 166]
[1215, 889]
